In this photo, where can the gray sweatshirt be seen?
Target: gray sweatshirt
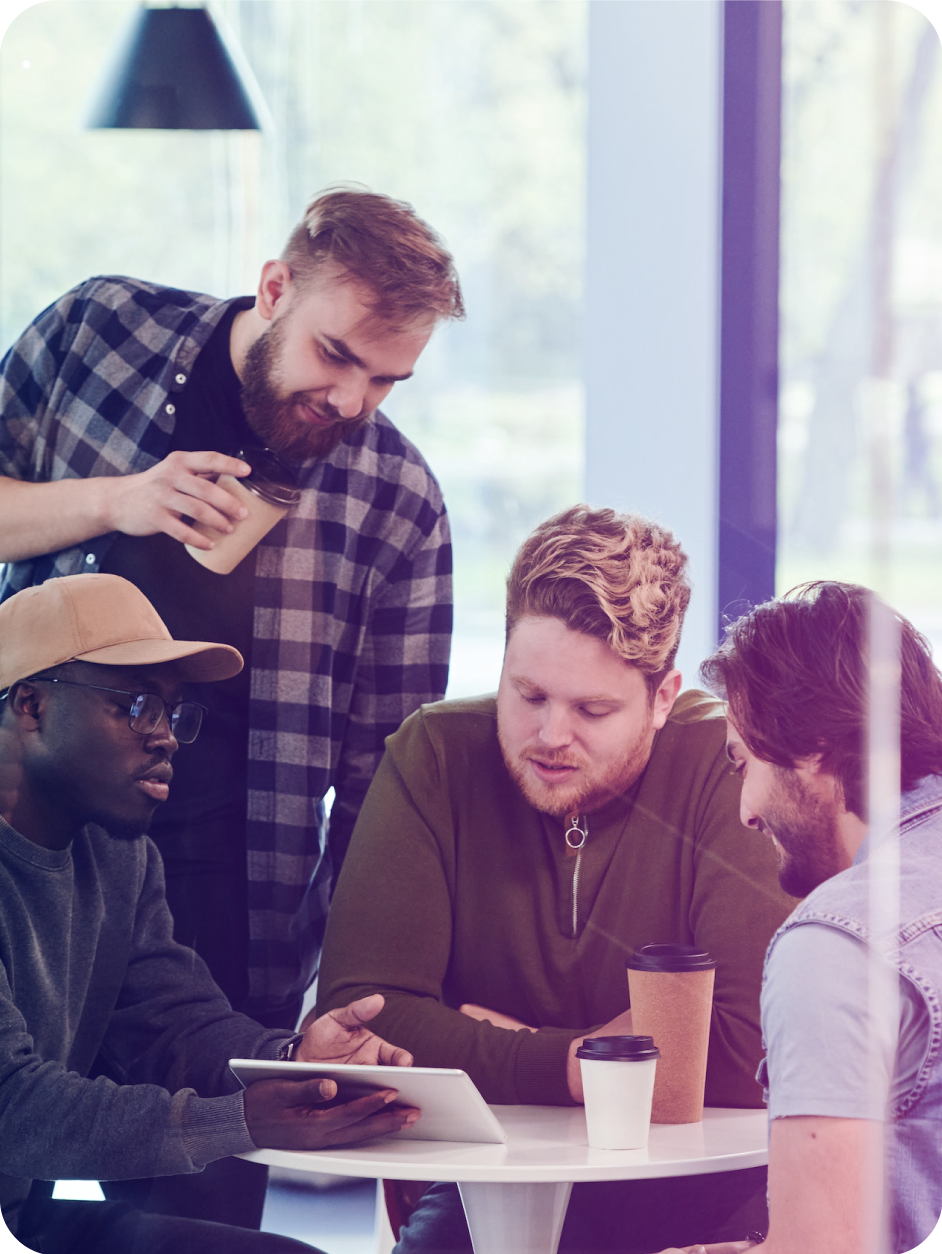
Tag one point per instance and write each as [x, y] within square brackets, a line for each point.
[114, 1039]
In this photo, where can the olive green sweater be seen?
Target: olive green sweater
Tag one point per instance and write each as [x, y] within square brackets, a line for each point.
[456, 890]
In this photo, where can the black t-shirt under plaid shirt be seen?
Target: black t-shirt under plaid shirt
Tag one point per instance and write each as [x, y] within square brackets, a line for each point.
[352, 614]
[200, 829]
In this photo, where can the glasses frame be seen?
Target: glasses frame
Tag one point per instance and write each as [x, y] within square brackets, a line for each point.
[172, 712]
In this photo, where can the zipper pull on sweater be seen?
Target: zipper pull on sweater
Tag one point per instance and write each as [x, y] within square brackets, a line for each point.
[576, 837]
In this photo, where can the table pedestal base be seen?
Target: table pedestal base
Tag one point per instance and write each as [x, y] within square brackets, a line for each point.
[515, 1218]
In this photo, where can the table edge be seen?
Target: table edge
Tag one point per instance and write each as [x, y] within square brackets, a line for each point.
[342, 1163]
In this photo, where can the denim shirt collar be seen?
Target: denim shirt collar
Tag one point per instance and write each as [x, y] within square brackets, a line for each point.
[925, 795]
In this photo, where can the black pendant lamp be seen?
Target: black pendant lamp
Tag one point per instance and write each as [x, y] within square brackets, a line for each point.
[173, 71]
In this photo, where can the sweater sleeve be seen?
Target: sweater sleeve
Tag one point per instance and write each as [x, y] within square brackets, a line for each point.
[163, 1100]
[390, 931]
[172, 1025]
[58, 1124]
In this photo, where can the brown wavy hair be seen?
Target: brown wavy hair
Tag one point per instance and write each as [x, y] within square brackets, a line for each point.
[617, 577]
[385, 245]
[795, 672]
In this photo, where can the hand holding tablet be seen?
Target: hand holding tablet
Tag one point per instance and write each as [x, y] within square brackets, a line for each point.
[288, 1114]
[451, 1108]
[349, 1085]
[281, 1113]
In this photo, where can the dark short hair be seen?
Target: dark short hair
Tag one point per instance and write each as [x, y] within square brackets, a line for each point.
[795, 672]
[382, 243]
[617, 577]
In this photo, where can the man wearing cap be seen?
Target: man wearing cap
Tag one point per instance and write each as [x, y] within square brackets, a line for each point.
[114, 1039]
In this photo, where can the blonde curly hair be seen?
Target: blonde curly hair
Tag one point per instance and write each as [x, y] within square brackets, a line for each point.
[617, 577]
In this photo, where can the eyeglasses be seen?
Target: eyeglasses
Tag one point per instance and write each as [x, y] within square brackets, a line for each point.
[147, 709]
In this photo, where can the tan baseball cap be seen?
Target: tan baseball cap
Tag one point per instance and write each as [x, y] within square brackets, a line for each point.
[98, 618]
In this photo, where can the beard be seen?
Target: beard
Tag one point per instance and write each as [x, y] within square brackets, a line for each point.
[271, 414]
[599, 785]
[804, 828]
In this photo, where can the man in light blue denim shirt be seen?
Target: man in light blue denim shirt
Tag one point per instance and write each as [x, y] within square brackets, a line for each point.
[852, 990]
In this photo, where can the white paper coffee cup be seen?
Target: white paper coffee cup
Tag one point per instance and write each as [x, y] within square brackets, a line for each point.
[618, 1085]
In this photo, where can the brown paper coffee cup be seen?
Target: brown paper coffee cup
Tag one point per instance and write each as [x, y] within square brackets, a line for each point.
[671, 993]
[267, 493]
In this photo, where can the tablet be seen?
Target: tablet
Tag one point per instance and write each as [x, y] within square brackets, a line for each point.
[452, 1108]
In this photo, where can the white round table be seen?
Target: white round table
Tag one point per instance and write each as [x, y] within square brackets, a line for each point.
[515, 1195]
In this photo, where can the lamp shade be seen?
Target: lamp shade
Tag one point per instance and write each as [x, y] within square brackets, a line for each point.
[174, 72]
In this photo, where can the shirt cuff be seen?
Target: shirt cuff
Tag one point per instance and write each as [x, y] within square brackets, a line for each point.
[215, 1127]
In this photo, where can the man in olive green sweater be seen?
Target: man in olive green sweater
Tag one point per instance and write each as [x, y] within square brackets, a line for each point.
[512, 851]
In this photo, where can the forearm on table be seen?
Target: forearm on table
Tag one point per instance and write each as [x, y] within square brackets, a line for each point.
[376, 944]
[509, 1067]
[40, 518]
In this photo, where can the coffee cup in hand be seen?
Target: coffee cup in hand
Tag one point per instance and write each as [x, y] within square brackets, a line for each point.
[267, 493]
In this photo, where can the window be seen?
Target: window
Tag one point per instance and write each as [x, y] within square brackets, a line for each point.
[473, 111]
[860, 424]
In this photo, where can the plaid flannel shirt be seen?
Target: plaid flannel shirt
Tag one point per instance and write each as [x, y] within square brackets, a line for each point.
[352, 624]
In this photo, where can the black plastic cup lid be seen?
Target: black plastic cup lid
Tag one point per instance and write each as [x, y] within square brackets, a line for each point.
[271, 477]
[616, 1048]
[669, 958]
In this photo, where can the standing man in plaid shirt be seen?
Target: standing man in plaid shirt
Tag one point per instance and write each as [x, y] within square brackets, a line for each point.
[119, 406]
